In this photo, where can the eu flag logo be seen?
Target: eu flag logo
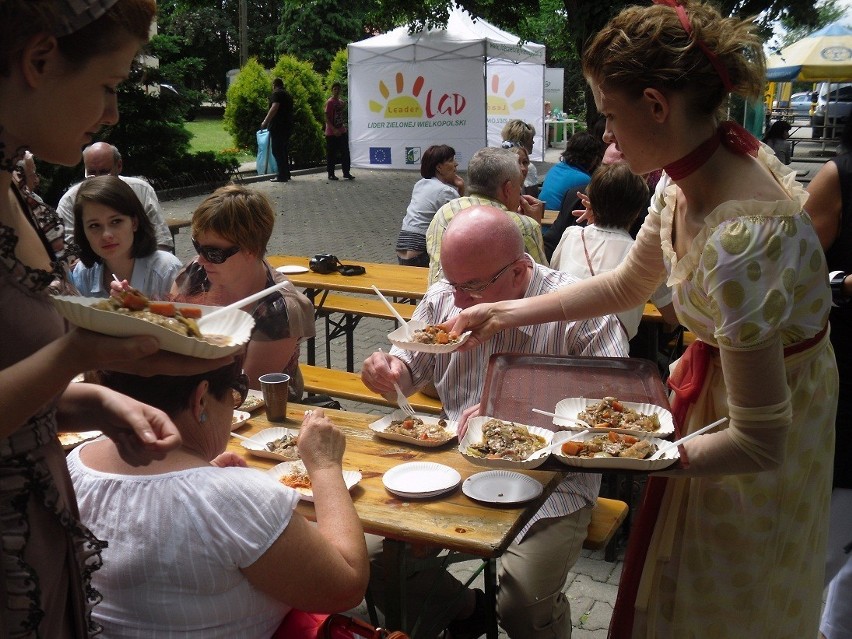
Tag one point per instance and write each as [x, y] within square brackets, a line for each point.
[380, 155]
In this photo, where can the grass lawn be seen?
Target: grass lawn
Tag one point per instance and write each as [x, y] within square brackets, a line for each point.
[208, 134]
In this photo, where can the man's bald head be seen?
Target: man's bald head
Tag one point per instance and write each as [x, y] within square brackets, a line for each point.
[483, 251]
[480, 230]
[101, 158]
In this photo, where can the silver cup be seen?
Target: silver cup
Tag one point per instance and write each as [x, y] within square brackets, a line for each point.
[275, 387]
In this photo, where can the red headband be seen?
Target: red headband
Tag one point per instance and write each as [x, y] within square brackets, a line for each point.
[712, 57]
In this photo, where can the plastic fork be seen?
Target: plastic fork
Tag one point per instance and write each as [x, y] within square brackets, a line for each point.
[664, 449]
[401, 399]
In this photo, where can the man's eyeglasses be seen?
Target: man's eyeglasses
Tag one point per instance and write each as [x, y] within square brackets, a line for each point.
[97, 172]
[214, 255]
[239, 389]
[476, 290]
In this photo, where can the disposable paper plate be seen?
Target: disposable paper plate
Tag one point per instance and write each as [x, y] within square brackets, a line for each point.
[474, 436]
[254, 400]
[501, 487]
[257, 444]
[572, 406]
[420, 479]
[350, 477]
[235, 324]
[72, 440]
[292, 269]
[399, 339]
[240, 417]
[380, 429]
[613, 463]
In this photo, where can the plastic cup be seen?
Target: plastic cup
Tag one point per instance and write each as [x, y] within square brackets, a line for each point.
[275, 387]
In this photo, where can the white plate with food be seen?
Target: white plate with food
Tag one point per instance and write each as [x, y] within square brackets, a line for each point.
[419, 430]
[254, 401]
[612, 451]
[223, 335]
[501, 487]
[274, 443]
[420, 479]
[294, 475]
[240, 417]
[419, 336]
[292, 269]
[611, 414]
[72, 440]
[503, 444]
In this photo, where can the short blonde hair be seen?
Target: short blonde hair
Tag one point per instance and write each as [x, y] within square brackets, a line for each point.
[519, 132]
[647, 46]
[237, 214]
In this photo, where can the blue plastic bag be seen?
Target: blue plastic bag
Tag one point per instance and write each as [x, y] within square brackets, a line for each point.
[265, 160]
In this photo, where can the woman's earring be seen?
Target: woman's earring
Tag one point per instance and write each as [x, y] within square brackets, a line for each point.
[202, 418]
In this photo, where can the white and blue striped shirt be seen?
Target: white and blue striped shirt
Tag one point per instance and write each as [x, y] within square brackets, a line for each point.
[460, 377]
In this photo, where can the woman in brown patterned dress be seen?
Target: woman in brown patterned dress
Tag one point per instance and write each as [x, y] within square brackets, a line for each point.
[60, 64]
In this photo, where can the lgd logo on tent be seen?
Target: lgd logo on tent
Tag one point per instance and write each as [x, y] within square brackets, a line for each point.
[409, 106]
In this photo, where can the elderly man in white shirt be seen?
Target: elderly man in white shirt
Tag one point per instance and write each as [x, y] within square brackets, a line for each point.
[101, 158]
[483, 260]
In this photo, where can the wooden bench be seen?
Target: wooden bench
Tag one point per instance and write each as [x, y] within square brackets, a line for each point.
[346, 385]
[353, 309]
[607, 517]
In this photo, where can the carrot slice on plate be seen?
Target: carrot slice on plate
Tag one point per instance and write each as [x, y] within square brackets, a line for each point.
[191, 312]
[166, 309]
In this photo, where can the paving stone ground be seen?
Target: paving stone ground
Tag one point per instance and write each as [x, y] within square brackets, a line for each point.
[360, 220]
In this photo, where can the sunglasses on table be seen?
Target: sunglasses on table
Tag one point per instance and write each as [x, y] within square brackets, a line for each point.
[213, 254]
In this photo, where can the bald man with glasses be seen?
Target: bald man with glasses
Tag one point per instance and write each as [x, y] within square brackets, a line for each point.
[483, 260]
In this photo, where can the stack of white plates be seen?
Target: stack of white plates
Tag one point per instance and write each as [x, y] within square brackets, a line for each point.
[420, 479]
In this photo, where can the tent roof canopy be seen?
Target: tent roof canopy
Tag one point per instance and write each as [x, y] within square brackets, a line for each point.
[823, 55]
[463, 37]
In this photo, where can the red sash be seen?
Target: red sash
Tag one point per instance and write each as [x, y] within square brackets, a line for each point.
[686, 384]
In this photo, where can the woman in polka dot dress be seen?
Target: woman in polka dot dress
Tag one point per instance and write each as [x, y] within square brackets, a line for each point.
[731, 543]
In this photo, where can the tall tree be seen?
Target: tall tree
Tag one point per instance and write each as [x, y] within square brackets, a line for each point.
[316, 30]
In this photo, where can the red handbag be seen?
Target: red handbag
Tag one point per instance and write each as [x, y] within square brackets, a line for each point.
[310, 625]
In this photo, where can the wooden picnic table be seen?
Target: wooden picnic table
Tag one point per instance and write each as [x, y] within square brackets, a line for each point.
[175, 224]
[408, 283]
[452, 520]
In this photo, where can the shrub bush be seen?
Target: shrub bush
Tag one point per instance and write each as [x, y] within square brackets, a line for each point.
[248, 102]
[338, 72]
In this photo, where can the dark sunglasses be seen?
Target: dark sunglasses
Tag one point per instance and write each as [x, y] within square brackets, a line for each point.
[239, 389]
[214, 255]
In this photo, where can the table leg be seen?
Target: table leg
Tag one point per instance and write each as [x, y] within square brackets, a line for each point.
[395, 573]
[491, 597]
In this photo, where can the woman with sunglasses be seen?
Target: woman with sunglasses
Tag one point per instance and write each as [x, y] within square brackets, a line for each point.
[116, 238]
[211, 548]
[230, 231]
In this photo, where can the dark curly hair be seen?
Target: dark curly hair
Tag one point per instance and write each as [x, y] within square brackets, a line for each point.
[584, 151]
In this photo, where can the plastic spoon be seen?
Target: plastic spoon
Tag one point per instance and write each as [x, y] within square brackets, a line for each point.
[243, 437]
[394, 312]
[239, 304]
[579, 422]
[663, 449]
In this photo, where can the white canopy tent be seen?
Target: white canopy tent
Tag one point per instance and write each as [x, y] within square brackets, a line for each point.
[456, 86]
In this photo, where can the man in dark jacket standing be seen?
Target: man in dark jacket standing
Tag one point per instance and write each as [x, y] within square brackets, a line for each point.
[279, 121]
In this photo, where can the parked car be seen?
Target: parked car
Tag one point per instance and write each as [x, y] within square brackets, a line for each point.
[837, 104]
[799, 105]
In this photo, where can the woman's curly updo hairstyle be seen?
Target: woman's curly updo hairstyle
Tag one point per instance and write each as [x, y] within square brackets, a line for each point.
[647, 46]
